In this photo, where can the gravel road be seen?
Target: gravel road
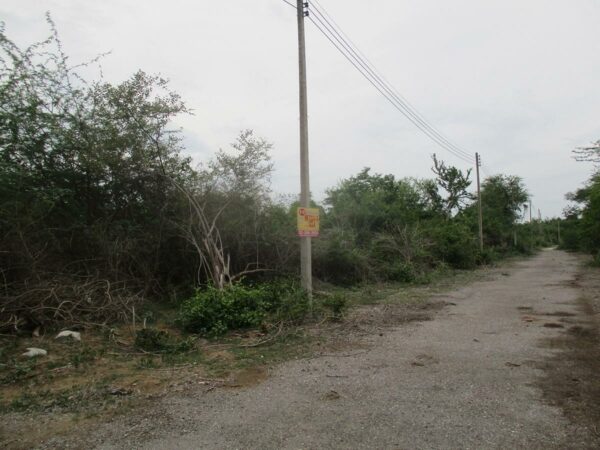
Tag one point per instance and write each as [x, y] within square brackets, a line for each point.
[466, 379]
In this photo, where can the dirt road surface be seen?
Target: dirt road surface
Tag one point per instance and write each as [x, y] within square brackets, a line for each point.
[470, 378]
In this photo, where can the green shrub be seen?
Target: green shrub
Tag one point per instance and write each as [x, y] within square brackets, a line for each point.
[401, 271]
[337, 259]
[455, 245]
[337, 304]
[486, 257]
[214, 312]
[153, 340]
[292, 305]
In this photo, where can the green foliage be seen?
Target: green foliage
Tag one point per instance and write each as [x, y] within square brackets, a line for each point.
[454, 183]
[590, 219]
[571, 233]
[88, 185]
[15, 371]
[338, 259]
[487, 257]
[401, 253]
[83, 179]
[503, 198]
[83, 356]
[368, 204]
[213, 311]
[94, 187]
[581, 228]
[337, 304]
[290, 305]
[455, 244]
[160, 341]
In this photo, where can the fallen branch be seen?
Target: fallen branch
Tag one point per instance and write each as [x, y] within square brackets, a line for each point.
[264, 341]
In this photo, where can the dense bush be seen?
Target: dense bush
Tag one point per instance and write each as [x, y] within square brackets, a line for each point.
[338, 259]
[213, 312]
[455, 245]
[581, 228]
[337, 304]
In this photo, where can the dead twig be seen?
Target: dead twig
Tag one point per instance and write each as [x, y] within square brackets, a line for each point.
[264, 341]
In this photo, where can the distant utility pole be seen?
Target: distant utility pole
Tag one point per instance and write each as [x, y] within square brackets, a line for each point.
[305, 241]
[477, 164]
[530, 207]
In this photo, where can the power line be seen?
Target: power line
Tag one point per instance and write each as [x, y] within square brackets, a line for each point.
[357, 54]
[371, 75]
[377, 81]
[291, 4]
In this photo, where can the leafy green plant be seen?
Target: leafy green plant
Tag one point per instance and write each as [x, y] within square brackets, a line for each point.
[85, 355]
[214, 311]
[402, 271]
[337, 304]
[339, 260]
[17, 371]
[486, 256]
[455, 245]
[153, 340]
[292, 305]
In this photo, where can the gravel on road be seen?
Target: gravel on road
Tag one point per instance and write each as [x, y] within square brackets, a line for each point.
[467, 379]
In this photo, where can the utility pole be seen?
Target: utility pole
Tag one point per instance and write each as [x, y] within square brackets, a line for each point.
[530, 207]
[477, 164]
[305, 241]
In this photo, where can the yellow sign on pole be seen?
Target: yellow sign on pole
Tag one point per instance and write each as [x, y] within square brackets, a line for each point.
[308, 222]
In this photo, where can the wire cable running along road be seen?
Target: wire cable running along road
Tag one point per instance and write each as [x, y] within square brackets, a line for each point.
[334, 34]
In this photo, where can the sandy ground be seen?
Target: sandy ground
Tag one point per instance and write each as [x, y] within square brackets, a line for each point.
[467, 379]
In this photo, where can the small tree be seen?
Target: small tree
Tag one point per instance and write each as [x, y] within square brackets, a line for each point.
[224, 207]
[455, 183]
[502, 198]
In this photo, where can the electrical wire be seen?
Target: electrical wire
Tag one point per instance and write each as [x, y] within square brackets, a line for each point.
[340, 40]
[375, 79]
[291, 4]
[377, 82]
[368, 65]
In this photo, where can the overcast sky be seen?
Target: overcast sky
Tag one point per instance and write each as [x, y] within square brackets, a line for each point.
[516, 80]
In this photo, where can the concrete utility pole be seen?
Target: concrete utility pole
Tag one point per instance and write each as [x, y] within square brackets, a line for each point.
[305, 241]
[477, 164]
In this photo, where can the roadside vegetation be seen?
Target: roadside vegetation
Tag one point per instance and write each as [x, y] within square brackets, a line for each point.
[108, 230]
[582, 217]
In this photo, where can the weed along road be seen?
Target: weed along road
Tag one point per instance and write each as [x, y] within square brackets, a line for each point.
[473, 377]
